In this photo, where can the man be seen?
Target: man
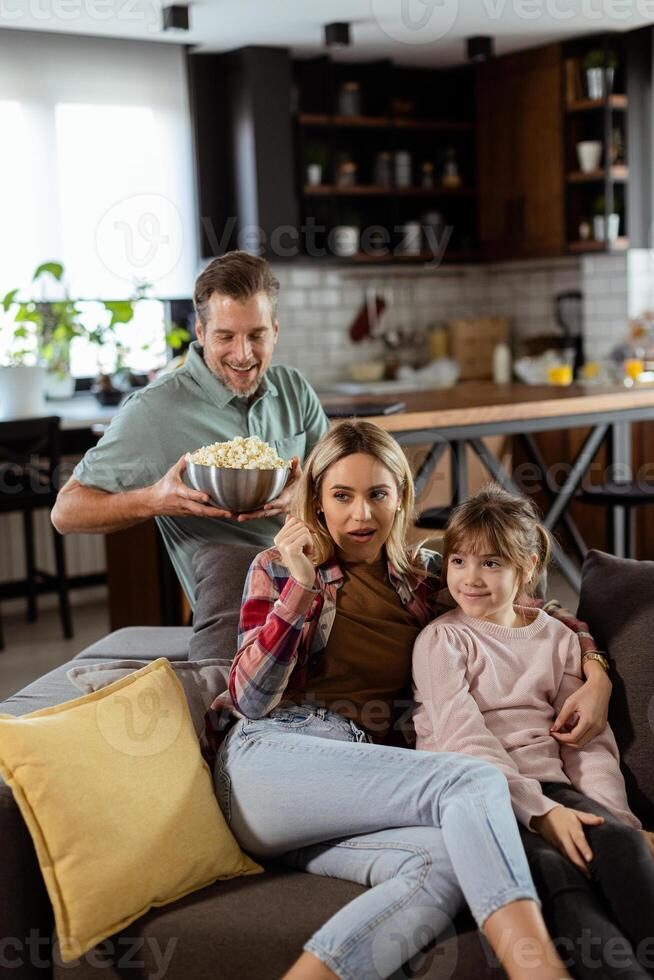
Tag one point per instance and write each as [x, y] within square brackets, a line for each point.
[226, 388]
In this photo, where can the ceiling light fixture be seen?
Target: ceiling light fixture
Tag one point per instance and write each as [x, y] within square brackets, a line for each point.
[175, 18]
[337, 35]
[479, 48]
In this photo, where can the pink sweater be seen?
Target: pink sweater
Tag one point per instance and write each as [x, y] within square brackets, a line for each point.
[493, 692]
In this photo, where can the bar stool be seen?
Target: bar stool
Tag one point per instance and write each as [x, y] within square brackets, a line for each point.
[29, 469]
[619, 493]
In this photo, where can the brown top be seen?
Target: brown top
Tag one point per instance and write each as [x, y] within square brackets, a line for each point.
[471, 402]
[366, 665]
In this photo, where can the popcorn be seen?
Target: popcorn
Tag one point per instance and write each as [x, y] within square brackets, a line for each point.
[241, 453]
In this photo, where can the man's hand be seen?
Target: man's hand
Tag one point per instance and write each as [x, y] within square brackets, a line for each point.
[282, 503]
[584, 714]
[563, 827]
[649, 837]
[171, 497]
[295, 545]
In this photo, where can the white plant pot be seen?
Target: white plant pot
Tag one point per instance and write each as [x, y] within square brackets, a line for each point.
[22, 391]
[314, 174]
[345, 240]
[606, 231]
[589, 154]
[59, 387]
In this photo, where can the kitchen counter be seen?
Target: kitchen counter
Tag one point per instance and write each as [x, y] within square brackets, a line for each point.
[474, 403]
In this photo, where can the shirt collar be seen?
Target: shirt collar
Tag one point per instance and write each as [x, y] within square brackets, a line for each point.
[221, 395]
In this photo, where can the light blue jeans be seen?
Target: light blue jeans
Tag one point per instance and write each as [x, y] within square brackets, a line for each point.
[425, 831]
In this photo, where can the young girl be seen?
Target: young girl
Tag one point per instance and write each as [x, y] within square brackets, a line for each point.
[489, 679]
[307, 776]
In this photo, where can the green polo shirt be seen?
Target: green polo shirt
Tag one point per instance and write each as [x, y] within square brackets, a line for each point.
[189, 408]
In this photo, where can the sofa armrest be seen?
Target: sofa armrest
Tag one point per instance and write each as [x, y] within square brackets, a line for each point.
[26, 920]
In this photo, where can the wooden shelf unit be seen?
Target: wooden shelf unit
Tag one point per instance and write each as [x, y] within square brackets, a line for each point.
[366, 190]
[323, 119]
[616, 101]
[439, 129]
[590, 245]
[618, 174]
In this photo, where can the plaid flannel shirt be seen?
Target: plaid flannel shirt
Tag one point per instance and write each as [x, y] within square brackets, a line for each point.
[284, 627]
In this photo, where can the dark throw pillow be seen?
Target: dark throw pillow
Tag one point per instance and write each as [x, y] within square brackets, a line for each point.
[617, 601]
[220, 571]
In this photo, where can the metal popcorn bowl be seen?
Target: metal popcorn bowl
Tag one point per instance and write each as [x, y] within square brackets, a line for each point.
[238, 491]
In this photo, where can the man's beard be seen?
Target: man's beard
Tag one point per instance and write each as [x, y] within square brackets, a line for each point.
[241, 392]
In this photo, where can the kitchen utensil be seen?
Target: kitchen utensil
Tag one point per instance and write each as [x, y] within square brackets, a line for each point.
[366, 322]
[238, 491]
[568, 311]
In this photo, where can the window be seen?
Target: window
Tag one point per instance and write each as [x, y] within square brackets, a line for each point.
[99, 176]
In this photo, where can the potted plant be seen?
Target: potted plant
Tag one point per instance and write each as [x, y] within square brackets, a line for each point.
[316, 156]
[38, 363]
[115, 376]
[599, 67]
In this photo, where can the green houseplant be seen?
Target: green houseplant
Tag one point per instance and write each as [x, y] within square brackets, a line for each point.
[38, 362]
[599, 67]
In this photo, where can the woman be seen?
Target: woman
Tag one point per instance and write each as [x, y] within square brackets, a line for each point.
[327, 628]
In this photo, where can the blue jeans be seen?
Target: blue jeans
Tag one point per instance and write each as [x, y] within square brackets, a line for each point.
[425, 831]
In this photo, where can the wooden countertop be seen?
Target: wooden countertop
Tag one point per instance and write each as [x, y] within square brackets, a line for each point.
[472, 402]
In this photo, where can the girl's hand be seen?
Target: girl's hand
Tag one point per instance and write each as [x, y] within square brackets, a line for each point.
[584, 713]
[563, 827]
[295, 545]
[649, 837]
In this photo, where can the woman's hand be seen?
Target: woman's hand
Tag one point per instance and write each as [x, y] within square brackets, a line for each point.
[563, 827]
[295, 545]
[584, 714]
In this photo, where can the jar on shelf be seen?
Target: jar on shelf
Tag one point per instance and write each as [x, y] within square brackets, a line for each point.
[403, 168]
[383, 170]
[451, 176]
[346, 175]
[427, 174]
[349, 99]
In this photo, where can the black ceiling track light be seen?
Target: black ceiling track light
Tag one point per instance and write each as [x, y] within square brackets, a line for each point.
[479, 48]
[175, 18]
[337, 35]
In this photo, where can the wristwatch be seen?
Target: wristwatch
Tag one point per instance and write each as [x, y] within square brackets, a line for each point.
[595, 655]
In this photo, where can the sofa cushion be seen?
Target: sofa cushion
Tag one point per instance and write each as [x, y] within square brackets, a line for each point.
[201, 680]
[210, 934]
[119, 804]
[617, 601]
[141, 643]
[220, 571]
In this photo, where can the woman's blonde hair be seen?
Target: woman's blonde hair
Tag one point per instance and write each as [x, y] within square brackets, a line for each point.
[345, 439]
[503, 524]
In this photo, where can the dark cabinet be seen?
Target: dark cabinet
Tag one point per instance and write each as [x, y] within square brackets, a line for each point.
[520, 155]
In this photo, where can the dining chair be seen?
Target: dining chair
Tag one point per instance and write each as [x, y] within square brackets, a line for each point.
[29, 474]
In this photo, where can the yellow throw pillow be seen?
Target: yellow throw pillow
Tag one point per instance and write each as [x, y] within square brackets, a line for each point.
[119, 803]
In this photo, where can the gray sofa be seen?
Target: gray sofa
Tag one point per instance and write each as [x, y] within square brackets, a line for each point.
[234, 930]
